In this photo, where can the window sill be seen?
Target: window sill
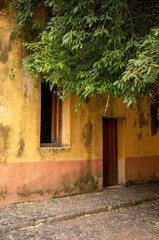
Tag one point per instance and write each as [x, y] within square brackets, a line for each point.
[54, 147]
[50, 145]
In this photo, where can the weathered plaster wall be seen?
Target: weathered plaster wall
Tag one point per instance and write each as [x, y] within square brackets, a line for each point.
[140, 154]
[142, 148]
[28, 171]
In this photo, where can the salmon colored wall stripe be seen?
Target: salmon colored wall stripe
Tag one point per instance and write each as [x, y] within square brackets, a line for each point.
[44, 176]
[142, 169]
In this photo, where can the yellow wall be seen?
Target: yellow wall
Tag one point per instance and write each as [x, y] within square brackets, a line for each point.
[20, 115]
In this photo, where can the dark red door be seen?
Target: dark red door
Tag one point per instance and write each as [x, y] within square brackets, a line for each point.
[109, 151]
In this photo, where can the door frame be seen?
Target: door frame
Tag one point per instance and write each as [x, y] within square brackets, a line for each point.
[121, 178]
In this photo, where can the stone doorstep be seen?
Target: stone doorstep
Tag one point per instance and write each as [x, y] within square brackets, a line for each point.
[114, 187]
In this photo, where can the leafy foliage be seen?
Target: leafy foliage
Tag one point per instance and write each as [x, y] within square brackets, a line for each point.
[93, 47]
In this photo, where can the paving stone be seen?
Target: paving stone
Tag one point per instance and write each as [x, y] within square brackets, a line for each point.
[132, 223]
[39, 217]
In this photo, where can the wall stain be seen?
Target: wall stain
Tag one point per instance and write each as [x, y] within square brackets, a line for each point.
[3, 193]
[27, 193]
[26, 91]
[87, 134]
[4, 56]
[87, 181]
[12, 37]
[135, 123]
[142, 120]
[26, 87]
[154, 119]
[4, 136]
[9, 46]
[21, 145]
[140, 135]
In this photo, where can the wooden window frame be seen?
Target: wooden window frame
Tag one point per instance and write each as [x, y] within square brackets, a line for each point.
[55, 119]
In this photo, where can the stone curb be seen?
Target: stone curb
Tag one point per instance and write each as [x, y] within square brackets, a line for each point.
[59, 218]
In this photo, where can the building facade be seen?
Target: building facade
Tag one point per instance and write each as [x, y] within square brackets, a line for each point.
[47, 149]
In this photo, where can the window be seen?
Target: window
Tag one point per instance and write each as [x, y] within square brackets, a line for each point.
[51, 117]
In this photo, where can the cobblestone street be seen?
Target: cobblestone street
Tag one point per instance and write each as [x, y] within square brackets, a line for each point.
[121, 213]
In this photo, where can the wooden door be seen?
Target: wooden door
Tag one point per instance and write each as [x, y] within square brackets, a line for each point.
[109, 151]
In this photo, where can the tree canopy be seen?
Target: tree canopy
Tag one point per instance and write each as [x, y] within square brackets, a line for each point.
[91, 47]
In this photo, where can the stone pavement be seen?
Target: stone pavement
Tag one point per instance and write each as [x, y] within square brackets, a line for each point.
[31, 216]
[140, 222]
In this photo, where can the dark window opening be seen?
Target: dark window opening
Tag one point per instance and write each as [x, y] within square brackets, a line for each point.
[51, 117]
[154, 115]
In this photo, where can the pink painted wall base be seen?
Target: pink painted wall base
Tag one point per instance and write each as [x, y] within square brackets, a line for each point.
[42, 180]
